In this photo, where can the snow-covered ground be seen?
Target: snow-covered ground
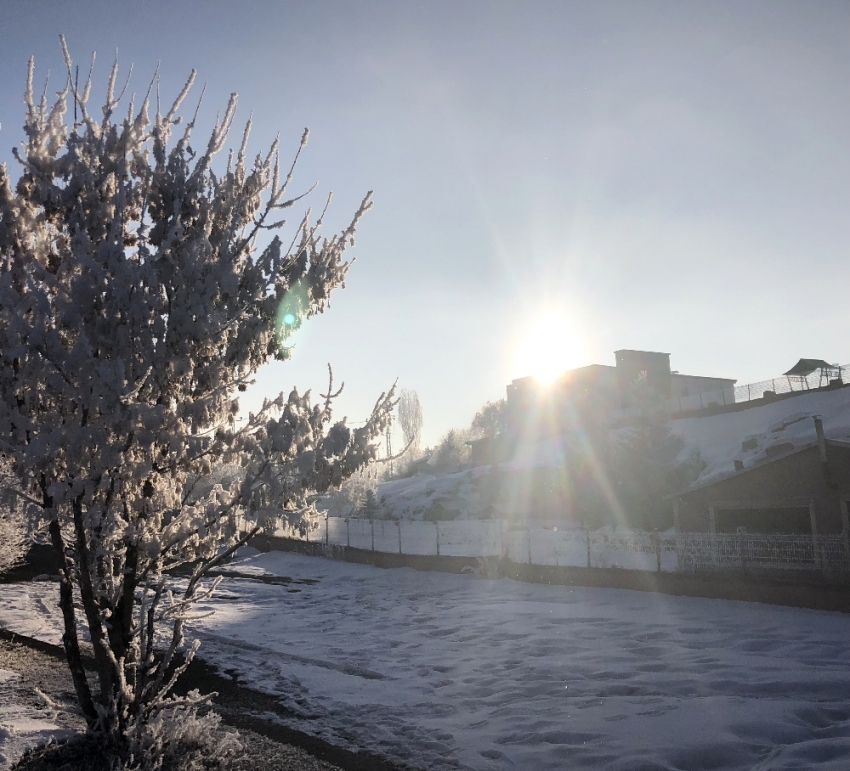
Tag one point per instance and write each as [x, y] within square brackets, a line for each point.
[21, 726]
[445, 671]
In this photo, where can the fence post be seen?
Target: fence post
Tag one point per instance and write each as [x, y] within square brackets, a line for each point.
[749, 398]
[712, 526]
[327, 531]
[586, 540]
[372, 522]
[845, 531]
[742, 547]
[676, 531]
[657, 540]
[437, 525]
[399, 536]
[815, 544]
[528, 534]
[347, 533]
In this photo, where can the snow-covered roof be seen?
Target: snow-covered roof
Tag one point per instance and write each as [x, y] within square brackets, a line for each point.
[720, 438]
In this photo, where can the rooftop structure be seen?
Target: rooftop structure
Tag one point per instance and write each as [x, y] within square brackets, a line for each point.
[598, 396]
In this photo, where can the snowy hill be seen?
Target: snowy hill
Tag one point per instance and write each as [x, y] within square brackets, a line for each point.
[719, 439]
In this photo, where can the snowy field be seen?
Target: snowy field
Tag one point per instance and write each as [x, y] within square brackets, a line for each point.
[446, 671]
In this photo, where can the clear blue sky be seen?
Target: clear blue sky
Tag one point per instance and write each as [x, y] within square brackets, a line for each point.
[668, 176]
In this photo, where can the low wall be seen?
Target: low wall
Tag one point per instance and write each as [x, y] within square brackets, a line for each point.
[535, 544]
[791, 590]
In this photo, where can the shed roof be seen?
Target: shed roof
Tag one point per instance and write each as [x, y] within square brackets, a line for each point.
[807, 366]
[757, 465]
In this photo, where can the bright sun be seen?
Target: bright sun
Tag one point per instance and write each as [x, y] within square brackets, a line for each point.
[548, 346]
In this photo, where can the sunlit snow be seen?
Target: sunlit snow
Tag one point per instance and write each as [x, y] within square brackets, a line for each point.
[447, 671]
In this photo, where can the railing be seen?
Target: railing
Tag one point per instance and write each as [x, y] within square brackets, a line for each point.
[752, 391]
[786, 385]
[605, 548]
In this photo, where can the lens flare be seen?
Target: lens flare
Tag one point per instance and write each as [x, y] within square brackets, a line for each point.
[550, 344]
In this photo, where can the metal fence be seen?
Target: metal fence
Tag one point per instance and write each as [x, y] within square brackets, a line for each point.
[786, 385]
[570, 547]
[752, 391]
[758, 553]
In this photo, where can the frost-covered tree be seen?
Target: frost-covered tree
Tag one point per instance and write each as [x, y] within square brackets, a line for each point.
[351, 494]
[452, 450]
[489, 420]
[410, 417]
[140, 290]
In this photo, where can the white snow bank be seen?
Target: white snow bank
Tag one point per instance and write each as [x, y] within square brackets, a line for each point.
[415, 497]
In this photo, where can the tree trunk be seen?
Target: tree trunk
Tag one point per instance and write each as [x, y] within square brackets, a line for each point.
[92, 609]
[69, 637]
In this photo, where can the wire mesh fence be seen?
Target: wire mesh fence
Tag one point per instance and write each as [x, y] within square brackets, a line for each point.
[762, 389]
[755, 552]
[791, 384]
[572, 547]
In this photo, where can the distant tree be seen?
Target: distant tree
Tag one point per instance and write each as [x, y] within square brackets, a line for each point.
[136, 302]
[371, 508]
[452, 450]
[489, 420]
[351, 495]
[647, 461]
[410, 417]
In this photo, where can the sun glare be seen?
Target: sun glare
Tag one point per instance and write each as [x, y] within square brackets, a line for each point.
[550, 345]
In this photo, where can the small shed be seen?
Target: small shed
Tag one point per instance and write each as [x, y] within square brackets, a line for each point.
[804, 368]
[791, 490]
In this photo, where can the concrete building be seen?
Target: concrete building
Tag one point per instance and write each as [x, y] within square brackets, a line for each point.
[598, 396]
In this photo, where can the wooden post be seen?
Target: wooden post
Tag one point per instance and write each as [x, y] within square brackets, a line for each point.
[587, 541]
[372, 522]
[399, 536]
[347, 533]
[437, 525]
[845, 531]
[327, 532]
[528, 534]
[657, 550]
[677, 529]
[814, 520]
[712, 527]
